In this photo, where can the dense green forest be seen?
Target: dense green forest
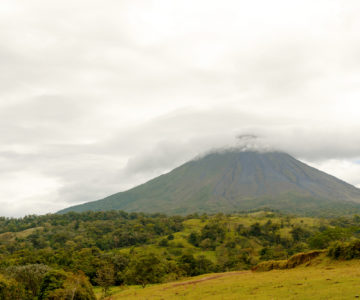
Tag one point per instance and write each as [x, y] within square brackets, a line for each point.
[62, 256]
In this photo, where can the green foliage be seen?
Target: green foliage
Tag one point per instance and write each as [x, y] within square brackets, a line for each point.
[105, 278]
[59, 285]
[212, 235]
[323, 239]
[52, 282]
[341, 250]
[10, 289]
[29, 276]
[300, 234]
[194, 239]
[145, 269]
[116, 248]
[195, 266]
[275, 252]
[164, 243]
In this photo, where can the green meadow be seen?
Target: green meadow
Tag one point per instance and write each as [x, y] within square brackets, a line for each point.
[323, 278]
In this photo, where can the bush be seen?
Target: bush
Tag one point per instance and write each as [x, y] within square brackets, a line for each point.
[345, 250]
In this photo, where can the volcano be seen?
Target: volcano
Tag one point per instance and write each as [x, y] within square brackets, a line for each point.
[234, 180]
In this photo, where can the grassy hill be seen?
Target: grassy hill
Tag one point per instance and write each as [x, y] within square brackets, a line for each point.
[232, 181]
[322, 278]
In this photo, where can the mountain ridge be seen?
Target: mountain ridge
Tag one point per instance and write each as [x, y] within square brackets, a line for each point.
[234, 180]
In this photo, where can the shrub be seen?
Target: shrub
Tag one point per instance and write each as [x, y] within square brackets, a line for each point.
[345, 250]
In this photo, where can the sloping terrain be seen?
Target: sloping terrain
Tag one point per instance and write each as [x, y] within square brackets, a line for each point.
[322, 279]
[235, 180]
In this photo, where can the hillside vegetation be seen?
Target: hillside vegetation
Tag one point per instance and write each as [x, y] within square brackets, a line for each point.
[231, 181]
[71, 251]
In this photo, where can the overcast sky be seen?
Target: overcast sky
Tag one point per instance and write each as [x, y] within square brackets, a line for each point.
[99, 96]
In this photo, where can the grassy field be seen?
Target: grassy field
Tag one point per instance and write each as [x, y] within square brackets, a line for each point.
[323, 279]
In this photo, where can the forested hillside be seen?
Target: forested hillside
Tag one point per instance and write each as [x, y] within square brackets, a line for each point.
[76, 250]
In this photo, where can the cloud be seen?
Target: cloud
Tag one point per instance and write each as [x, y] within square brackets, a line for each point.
[346, 170]
[89, 171]
[27, 191]
[98, 97]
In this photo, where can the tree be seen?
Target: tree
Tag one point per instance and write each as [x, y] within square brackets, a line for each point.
[213, 231]
[194, 239]
[255, 229]
[204, 265]
[30, 276]
[299, 234]
[105, 277]
[120, 262]
[195, 266]
[10, 289]
[52, 281]
[144, 269]
[188, 263]
[164, 243]
[58, 285]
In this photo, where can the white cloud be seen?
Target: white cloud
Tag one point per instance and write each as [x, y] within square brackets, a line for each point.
[347, 170]
[29, 192]
[99, 96]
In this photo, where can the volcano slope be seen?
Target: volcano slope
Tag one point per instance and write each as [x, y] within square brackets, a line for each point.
[235, 180]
